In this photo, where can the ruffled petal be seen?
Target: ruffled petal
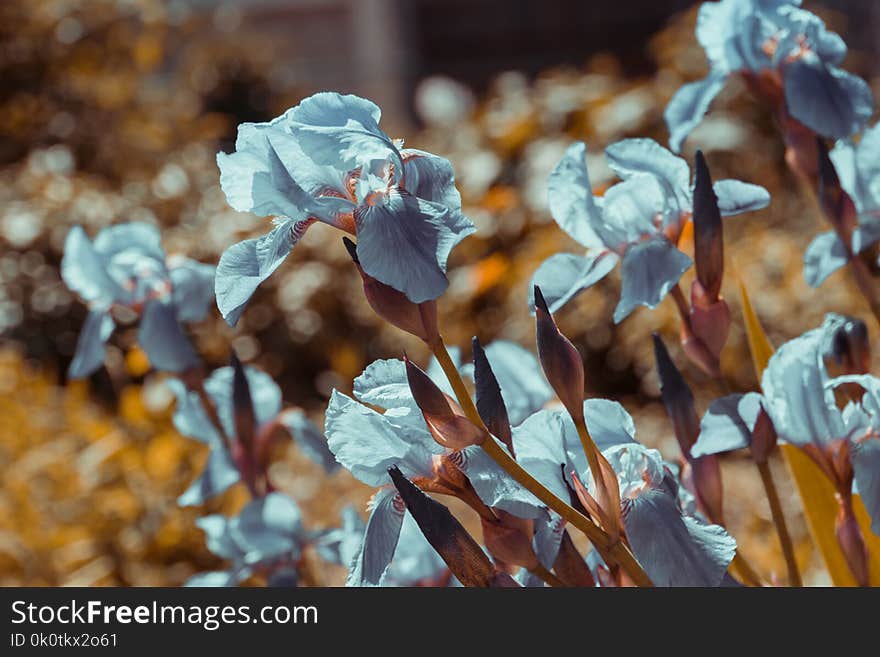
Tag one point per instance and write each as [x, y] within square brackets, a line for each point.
[689, 105]
[245, 265]
[134, 236]
[91, 346]
[430, 177]
[824, 256]
[570, 197]
[380, 540]
[219, 474]
[563, 276]
[162, 338]
[649, 271]
[406, 241]
[497, 488]
[383, 383]
[736, 197]
[632, 157]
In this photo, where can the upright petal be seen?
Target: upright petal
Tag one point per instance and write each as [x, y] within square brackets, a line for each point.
[570, 197]
[689, 105]
[650, 269]
[824, 256]
[405, 242]
[162, 338]
[91, 344]
[736, 197]
[245, 265]
[631, 157]
[134, 235]
[380, 539]
[383, 383]
[563, 276]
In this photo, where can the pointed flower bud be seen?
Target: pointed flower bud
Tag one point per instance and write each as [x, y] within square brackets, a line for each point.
[243, 408]
[418, 319]
[490, 404]
[570, 566]
[509, 540]
[560, 360]
[446, 421]
[838, 206]
[764, 437]
[710, 325]
[447, 536]
[708, 232]
[705, 473]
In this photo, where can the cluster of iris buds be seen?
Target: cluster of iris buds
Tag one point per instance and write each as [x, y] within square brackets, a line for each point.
[507, 434]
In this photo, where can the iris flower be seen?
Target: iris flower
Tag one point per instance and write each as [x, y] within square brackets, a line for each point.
[799, 396]
[858, 168]
[675, 547]
[125, 273]
[638, 222]
[783, 48]
[327, 160]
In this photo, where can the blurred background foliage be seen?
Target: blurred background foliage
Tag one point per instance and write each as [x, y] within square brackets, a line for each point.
[113, 110]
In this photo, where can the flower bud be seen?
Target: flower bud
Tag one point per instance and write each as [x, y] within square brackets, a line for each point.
[243, 408]
[490, 404]
[509, 540]
[448, 537]
[708, 233]
[447, 423]
[570, 566]
[710, 323]
[560, 360]
[418, 319]
[764, 437]
[838, 206]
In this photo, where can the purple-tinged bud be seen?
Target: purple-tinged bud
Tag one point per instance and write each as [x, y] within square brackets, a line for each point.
[838, 206]
[560, 360]
[708, 232]
[852, 543]
[447, 536]
[490, 404]
[570, 566]
[705, 473]
[764, 437]
[418, 319]
[509, 539]
[710, 323]
[446, 421]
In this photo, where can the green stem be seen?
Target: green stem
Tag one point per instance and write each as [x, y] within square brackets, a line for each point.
[794, 576]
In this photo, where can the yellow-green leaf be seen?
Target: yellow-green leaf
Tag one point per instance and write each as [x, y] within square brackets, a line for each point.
[816, 491]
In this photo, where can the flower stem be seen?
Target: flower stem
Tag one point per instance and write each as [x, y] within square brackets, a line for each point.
[794, 576]
[616, 551]
[744, 570]
[547, 576]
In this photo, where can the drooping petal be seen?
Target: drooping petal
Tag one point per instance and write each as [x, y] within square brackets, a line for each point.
[570, 197]
[406, 241]
[245, 265]
[827, 99]
[736, 197]
[84, 270]
[415, 561]
[341, 131]
[380, 539]
[219, 474]
[430, 177]
[689, 105]
[675, 550]
[91, 344]
[824, 256]
[649, 271]
[727, 424]
[495, 487]
[866, 464]
[192, 288]
[269, 527]
[162, 338]
[563, 276]
[367, 443]
[190, 418]
[309, 438]
[632, 157]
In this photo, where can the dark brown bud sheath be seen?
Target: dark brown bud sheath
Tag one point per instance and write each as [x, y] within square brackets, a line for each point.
[446, 421]
[852, 543]
[570, 566]
[243, 407]
[708, 232]
[560, 360]
[710, 326]
[490, 404]
[764, 438]
[418, 319]
[679, 402]
[836, 203]
[509, 539]
[456, 547]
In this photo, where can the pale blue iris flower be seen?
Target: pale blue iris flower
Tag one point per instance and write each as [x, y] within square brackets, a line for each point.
[675, 547]
[778, 38]
[192, 420]
[327, 160]
[125, 271]
[638, 223]
[799, 397]
[858, 168]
